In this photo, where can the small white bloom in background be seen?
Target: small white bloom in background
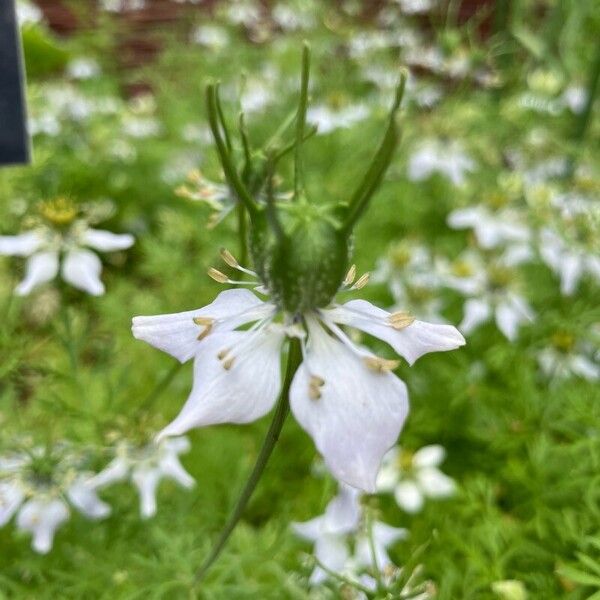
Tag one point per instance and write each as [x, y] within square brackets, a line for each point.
[83, 68]
[494, 289]
[345, 397]
[328, 118]
[145, 467]
[243, 12]
[39, 488]
[211, 36]
[122, 6]
[408, 270]
[575, 97]
[413, 7]
[329, 533]
[571, 246]
[28, 13]
[60, 242]
[566, 357]
[294, 16]
[412, 478]
[448, 158]
[372, 543]
[492, 229]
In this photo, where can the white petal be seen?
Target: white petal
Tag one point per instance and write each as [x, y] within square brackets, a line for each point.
[24, 244]
[83, 496]
[412, 342]
[171, 467]
[476, 312]
[106, 241]
[571, 269]
[435, 484]
[384, 536]
[408, 496]
[584, 367]
[342, 514]
[359, 413]
[429, 456]
[146, 479]
[388, 475]
[177, 334]
[463, 218]
[81, 268]
[177, 445]
[332, 552]
[117, 470]
[42, 518]
[309, 530]
[41, 267]
[241, 394]
[511, 313]
[11, 496]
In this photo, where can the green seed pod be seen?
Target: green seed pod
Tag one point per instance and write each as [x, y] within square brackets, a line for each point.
[301, 255]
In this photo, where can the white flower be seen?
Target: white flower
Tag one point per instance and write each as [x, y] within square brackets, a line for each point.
[28, 13]
[416, 6]
[329, 533]
[345, 397]
[327, 119]
[569, 261]
[436, 156]
[371, 547]
[212, 36]
[40, 497]
[414, 477]
[146, 467]
[492, 229]
[495, 288]
[49, 249]
[566, 357]
[83, 68]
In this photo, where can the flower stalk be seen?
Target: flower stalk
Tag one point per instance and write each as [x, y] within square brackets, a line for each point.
[281, 412]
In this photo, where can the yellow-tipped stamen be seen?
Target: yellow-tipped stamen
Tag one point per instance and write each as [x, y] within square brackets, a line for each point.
[205, 322]
[380, 365]
[223, 353]
[314, 387]
[218, 276]
[229, 258]
[350, 276]
[362, 281]
[400, 320]
[228, 363]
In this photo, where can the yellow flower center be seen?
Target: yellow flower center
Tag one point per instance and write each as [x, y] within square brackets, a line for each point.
[60, 212]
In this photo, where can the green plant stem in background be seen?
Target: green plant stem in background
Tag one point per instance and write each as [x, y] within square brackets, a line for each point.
[68, 340]
[585, 117]
[281, 412]
[160, 387]
[372, 178]
[300, 121]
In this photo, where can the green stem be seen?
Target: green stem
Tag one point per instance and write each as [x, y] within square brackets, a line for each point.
[160, 386]
[222, 121]
[584, 119]
[242, 234]
[373, 552]
[281, 412]
[68, 340]
[301, 121]
[233, 179]
[381, 161]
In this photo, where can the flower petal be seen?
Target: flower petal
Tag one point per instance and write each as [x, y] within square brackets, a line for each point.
[146, 479]
[241, 393]
[409, 497]
[106, 241]
[82, 495]
[11, 496]
[429, 456]
[332, 552]
[476, 312]
[411, 342]
[171, 467]
[358, 414]
[24, 244]
[81, 268]
[117, 470]
[41, 267]
[342, 514]
[435, 484]
[388, 475]
[42, 518]
[571, 269]
[384, 536]
[177, 334]
[510, 313]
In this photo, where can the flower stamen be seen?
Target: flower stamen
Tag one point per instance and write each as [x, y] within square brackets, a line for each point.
[314, 387]
[380, 365]
[400, 320]
[350, 276]
[361, 282]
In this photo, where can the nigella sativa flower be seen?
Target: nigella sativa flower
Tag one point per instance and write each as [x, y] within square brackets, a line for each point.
[38, 487]
[146, 466]
[60, 242]
[343, 395]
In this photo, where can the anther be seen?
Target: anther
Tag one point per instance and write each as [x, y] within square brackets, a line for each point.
[223, 353]
[380, 365]
[217, 275]
[400, 320]
[350, 276]
[314, 387]
[228, 363]
[362, 281]
[229, 259]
